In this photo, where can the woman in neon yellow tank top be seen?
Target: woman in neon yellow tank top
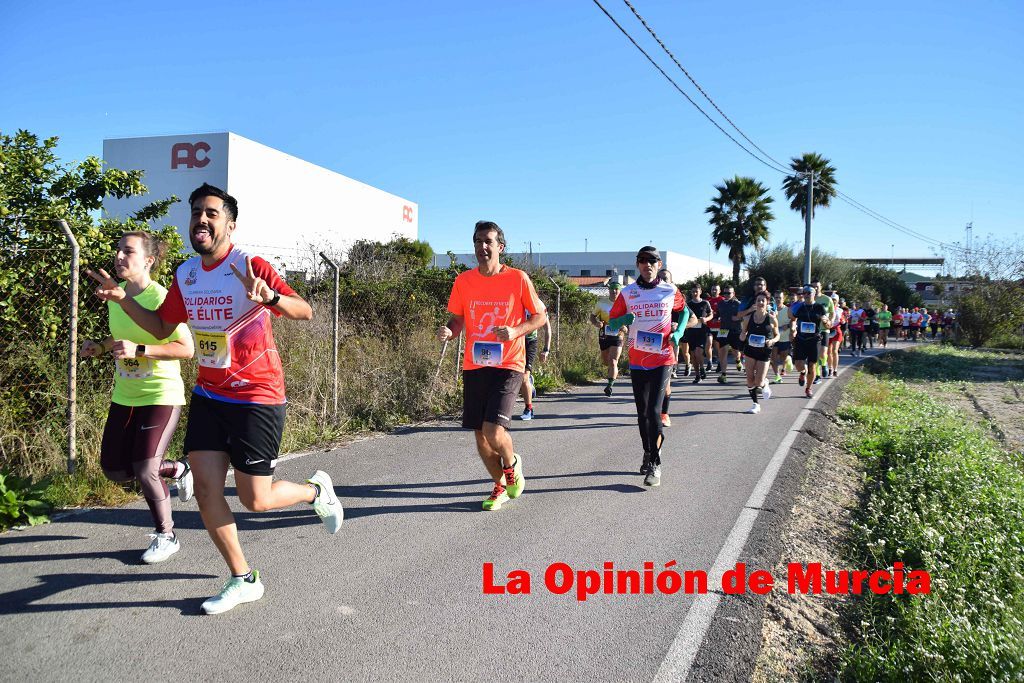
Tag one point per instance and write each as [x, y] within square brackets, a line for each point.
[148, 393]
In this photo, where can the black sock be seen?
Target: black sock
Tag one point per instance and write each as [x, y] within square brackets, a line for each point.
[316, 489]
[249, 577]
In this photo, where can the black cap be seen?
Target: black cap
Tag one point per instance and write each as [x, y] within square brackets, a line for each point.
[647, 252]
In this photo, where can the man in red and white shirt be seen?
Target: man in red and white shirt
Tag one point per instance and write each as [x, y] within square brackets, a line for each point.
[237, 411]
[657, 309]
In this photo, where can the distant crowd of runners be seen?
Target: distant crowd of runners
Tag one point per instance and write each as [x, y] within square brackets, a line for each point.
[220, 305]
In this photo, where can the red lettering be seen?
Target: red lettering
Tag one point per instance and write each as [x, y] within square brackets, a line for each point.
[879, 582]
[734, 581]
[761, 582]
[551, 578]
[858, 581]
[489, 587]
[186, 154]
[804, 580]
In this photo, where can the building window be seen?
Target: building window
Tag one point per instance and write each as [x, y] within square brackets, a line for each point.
[611, 272]
[584, 273]
[630, 272]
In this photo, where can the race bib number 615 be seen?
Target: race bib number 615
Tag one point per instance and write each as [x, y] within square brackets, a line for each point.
[213, 349]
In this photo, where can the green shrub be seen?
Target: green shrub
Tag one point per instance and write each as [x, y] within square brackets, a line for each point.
[21, 501]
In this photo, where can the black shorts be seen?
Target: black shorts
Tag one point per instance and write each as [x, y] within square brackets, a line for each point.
[756, 353]
[783, 346]
[695, 337]
[250, 433]
[606, 342]
[489, 395]
[806, 349]
[531, 353]
[731, 339]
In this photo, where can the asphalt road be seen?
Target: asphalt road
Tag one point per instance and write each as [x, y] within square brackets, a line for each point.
[398, 592]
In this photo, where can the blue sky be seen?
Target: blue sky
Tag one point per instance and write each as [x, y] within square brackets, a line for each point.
[542, 117]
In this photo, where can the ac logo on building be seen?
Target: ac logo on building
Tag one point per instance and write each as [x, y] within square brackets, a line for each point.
[188, 155]
[407, 214]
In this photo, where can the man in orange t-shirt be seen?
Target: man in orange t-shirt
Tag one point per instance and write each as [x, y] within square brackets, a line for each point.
[490, 303]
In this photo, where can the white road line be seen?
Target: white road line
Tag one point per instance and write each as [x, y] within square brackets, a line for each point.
[679, 659]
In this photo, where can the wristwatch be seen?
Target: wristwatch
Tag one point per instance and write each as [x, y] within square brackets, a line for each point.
[274, 300]
[140, 350]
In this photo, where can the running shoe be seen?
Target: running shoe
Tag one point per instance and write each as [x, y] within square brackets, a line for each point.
[703, 373]
[162, 547]
[789, 365]
[653, 477]
[497, 497]
[707, 365]
[718, 368]
[696, 377]
[236, 591]
[777, 380]
[802, 378]
[674, 372]
[754, 409]
[739, 366]
[326, 504]
[722, 379]
[766, 392]
[527, 414]
[185, 483]
[807, 392]
[686, 371]
[666, 421]
[817, 380]
[515, 488]
[608, 390]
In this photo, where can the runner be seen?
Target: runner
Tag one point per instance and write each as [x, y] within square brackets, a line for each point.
[905, 332]
[830, 306]
[528, 391]
[728, 336]
[238, 405]
[609, 342]
[654, 311]
[835, 339]
[711, 347]
[490, 302]
[872, 324]
[760, 332]
[808, 318]
[885, 319]
[781, 348]
[148, 393]
[948, 320]
[858, 326]
[696, 334]
[933, 321]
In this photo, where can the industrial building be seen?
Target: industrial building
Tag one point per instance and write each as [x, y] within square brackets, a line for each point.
[335, 210]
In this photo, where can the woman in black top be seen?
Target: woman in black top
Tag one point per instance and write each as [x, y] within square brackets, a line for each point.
[760, 332]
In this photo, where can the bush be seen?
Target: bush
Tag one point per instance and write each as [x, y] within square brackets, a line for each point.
[21, 501]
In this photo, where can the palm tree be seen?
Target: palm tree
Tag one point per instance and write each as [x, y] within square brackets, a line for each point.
[739, 218]
[795, 186]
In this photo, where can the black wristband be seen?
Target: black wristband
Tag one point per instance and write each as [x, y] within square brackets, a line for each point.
[275, 301]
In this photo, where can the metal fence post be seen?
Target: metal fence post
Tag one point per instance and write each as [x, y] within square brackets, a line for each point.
[72, 352]
[334, 326]
[558, 311]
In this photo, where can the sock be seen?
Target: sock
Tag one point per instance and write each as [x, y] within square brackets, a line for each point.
[247, 577]
[316, 490]
[753, 394]
[529, 406]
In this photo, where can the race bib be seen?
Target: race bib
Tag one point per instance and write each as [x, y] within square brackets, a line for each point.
[213, 349]
[756, 340]
[609, 332]
[134, 368]
[487, 353]
[808, 328]
[723, 334]
[648, 341]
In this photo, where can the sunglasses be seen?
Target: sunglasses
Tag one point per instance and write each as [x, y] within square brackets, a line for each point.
[648, 261]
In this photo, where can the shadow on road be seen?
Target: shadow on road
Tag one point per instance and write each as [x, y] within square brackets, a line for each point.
[24, 600]
[11, 538]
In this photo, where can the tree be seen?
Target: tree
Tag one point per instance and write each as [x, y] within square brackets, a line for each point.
[795, 186]
[739, 218]
[991, 307]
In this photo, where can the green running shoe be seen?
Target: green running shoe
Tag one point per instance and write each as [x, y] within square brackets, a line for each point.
[236, 591]
[515, 487]
[497, 497]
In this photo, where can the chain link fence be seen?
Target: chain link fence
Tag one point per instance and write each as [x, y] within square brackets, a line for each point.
[368, 361]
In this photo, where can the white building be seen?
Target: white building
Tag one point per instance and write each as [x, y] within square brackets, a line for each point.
[333, 209]
[615, 263]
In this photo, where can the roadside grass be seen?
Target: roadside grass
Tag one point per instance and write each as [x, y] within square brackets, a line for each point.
[941, 495]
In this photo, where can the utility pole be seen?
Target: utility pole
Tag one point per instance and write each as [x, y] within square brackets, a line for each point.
[807, 228]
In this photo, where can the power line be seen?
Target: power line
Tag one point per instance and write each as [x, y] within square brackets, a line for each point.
[681, 91]
[697, 85]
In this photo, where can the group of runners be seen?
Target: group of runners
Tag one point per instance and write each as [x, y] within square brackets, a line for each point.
[237, 412]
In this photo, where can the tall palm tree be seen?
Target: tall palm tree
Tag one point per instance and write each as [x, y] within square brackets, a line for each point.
[739, 218]
[795, 185]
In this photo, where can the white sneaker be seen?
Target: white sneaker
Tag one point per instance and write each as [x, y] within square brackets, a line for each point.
[162, 547]
[754, 409]
[235, 591]
[766, 393]
[653, 477]
[186, 485]
[326, 504]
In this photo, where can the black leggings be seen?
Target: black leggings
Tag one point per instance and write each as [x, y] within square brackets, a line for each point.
[857, 339]
[648, 392]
